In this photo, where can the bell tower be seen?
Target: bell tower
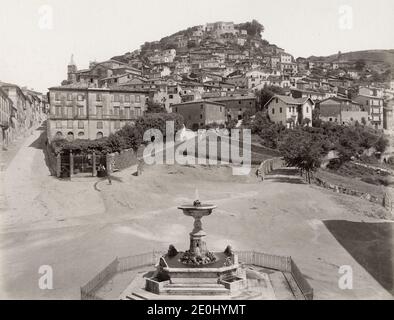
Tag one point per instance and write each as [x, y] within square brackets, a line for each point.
[71, 70]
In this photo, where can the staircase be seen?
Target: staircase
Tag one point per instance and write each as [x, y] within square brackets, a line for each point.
[195, 289]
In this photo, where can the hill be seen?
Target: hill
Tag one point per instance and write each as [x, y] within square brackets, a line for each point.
[379, 60]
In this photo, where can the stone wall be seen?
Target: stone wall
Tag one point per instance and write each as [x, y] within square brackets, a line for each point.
[388, 200]
[269, 165]
[344, 190]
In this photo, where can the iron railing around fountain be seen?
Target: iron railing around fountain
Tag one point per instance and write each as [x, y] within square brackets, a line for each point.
[124, 264]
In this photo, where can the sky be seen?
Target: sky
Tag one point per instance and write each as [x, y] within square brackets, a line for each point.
[37, 37]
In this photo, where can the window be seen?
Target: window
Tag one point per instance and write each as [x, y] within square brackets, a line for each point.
[116, 111]
[80, 97]
[99, 135]
[127, 112]
[57, 96]
[69, 124]
[69, 96]
[80, 111]
[117, 124]
[132, 98]
[59, 134]
[202, 107]
[98, 97]
[127, 98]
[99, 112]
[273, 111]
[58, 124]
[138, 99]
[80, 125]
[170, 97]
[81, 134]
[307, 109]
[280, 110]
[116, 98]
[58, 111]
[276, 100]
[99, 124]
[70, 112]
[200, 116]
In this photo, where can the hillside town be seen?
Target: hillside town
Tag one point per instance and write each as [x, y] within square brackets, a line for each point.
[223, 65]
[101, 174]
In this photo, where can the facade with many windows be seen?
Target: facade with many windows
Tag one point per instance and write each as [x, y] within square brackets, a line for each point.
[92, 113]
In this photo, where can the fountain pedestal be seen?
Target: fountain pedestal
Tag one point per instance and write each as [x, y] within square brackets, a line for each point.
[197, 270]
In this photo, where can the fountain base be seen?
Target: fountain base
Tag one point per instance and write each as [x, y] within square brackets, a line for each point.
[172, 276]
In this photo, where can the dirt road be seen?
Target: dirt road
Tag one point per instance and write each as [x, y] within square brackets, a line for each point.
[78, 227]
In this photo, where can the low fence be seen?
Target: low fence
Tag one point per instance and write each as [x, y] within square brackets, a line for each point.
[302, 283]
[340, 189]
[269, 261]
[87, 291]
[281, 263]
[269, 165]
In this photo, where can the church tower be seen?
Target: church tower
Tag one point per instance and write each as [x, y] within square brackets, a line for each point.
[71, 70]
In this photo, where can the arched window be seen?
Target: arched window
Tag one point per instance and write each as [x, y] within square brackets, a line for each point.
[99, 135]
[81, 134]
[70, 136]
[59, 134]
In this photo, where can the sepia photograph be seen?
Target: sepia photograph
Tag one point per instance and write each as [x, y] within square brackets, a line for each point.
[210, 152]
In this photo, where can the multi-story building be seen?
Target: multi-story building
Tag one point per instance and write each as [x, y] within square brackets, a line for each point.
[236, 106]
[112, 71]
[289, 112]
[374, 106]
[198, 113]
[342, 111]
[20, 104]
[388, 115]
[219, 28]
[91, 113]
[6, 113]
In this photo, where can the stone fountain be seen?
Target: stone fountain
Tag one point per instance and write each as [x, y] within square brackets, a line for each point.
[197, 271]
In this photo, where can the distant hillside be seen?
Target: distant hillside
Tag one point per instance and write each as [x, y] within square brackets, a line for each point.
[376, 58]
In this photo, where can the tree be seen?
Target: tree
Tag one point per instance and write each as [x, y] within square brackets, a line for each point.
[302, 150]
[381, 144]
[153, 107]
[265, 94]
[158, 121]
[253, 28]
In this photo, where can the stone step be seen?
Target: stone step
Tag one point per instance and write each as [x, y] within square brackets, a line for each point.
[135, 296]
[193, 285]
[195, 291]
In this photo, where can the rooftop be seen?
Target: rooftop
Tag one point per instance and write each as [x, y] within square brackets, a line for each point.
[197, 102]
